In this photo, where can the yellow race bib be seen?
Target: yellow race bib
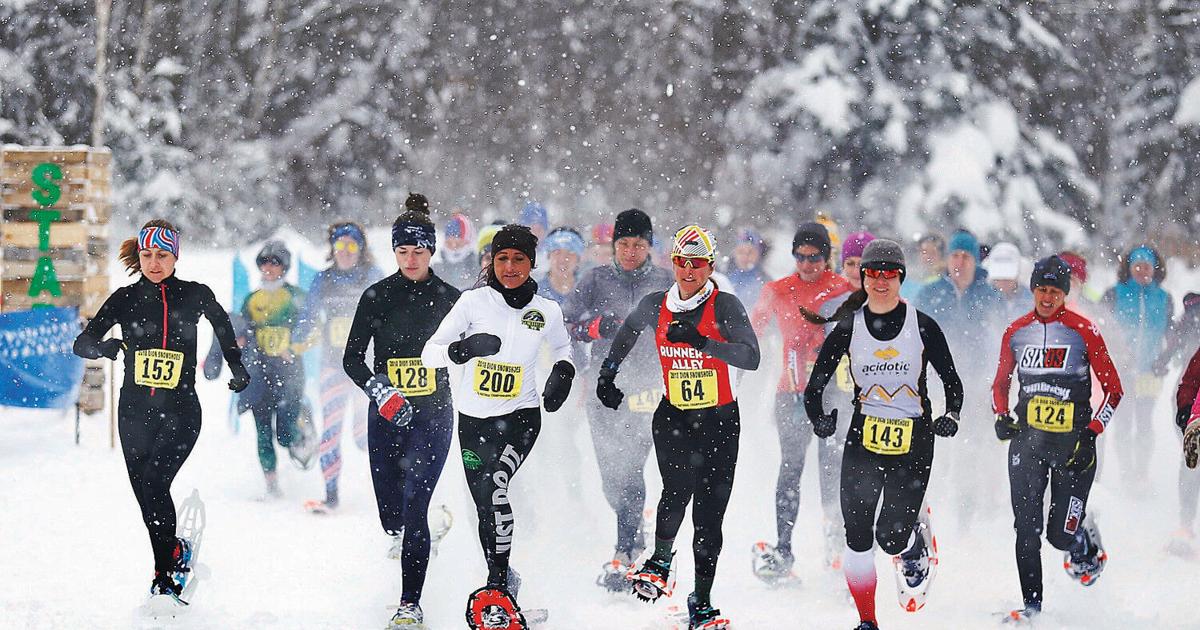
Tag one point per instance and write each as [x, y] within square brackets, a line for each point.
[692, 389]
[339, 331]
[1050, 414]
[494, 379]
[273, 340]
[157, 368]
[887, 436]
[643, 402]
[411, 377]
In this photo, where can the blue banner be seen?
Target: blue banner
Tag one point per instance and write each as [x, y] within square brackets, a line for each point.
[37, 367]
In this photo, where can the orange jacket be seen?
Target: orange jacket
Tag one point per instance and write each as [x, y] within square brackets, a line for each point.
[781, 299]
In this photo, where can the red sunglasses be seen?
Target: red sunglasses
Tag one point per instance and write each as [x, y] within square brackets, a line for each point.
[886, 274]
[694, 263]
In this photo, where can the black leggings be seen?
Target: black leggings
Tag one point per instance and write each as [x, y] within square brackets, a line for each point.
[899, 479]
[697, 452]
[156, 438]
[493, 450]
[1029, 472]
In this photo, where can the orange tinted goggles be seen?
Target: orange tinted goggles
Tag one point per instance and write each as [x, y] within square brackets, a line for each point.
[694, 263]
[886, 274]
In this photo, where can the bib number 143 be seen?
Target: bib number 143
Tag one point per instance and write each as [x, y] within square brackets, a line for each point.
[887, 436]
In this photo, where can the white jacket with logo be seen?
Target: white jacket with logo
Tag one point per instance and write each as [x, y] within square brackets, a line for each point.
[522, 333]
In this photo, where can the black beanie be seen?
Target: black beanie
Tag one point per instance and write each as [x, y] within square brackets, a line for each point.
[1051, 272]
[518, 237]
[633, 222]
[812, 233]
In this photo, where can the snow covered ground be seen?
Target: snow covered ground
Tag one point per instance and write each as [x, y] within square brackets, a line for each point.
[74, 554]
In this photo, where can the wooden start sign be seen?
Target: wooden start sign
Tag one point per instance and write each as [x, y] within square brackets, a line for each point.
[56, 203]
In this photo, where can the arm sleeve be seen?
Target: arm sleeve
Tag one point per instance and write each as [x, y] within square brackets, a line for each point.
[222, 327]
[1189, 385]
[558, 339]
[87, 344]
[740, 349]
[362, 330]
[836, 344]
[644, 315]
[1106, 373]
[436, 351]
[1002, 384]
[937, 351]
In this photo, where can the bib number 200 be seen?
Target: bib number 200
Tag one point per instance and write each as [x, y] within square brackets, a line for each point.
[497, 380]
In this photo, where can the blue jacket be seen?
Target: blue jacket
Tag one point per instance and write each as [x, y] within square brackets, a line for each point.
[1144, 314]
[969, 320]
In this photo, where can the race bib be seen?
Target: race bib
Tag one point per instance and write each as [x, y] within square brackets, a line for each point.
[273, 340]
[1147, 386]
[1050, 414]
[498, 380]
[887, 436]
[339, 331]
[411, 377]
[845, 382]
[692, 389]
[643, 402]
[157, 368]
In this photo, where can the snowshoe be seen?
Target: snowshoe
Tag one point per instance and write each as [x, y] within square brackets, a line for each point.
[867, 625]
[491, 608]
[165, 598]
[407, 617]
[315, 506]
[1022, 616]
[303, 448]
[190, 527]
[772, 565]
[653, 580]
[702, 616]
[917, 566]
[1087, 559]
[614, 576]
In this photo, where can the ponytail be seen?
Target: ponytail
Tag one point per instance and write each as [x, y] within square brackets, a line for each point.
[852, 304]
[128, 255]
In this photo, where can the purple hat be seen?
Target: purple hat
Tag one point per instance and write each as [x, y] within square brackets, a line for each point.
[855, 244]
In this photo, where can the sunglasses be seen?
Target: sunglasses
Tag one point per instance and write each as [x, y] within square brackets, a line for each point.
[886, 274]
[346, 246]
[269, 261]
[694, 263]
[812, 258]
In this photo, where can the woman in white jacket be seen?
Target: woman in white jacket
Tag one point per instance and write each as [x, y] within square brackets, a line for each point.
[495, 332]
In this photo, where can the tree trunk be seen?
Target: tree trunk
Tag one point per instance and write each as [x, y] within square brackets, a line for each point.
[103, 10]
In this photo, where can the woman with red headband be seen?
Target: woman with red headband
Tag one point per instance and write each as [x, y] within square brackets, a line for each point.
[158, 416]
[704, 341]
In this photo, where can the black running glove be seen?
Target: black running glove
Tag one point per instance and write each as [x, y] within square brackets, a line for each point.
[683, 331]
[1006, 427]
[240, 379]
[825, 425]
[558, 386]
[110, 348]
[477, 345]
[1084, 456]
[946, 425]
[606, 388]
[1182, 415]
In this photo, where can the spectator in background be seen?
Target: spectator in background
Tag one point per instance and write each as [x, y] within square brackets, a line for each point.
[600, 252]
[1080, 299]
[1004, 272]
[1142, 310]
[564, 248]
[455, 264]
[536, 218]
[931, 263]
[746, 274]
[483, 246]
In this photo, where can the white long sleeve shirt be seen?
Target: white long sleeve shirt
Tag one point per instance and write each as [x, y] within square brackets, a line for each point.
[507, 381]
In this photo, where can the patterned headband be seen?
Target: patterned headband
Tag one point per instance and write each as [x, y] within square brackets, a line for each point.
[165, 239]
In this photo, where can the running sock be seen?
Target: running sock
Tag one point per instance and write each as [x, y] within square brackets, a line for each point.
[859, 567]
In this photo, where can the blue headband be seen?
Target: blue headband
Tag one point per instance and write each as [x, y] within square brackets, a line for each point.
[564, 239]
[348, 229]
[415, 235]
[1143, 254]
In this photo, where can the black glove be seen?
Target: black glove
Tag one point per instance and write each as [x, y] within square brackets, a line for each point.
[826, 425]
[1006, 427]
[558, 386]
[110, 348]
[240, 379]
[946, 425]
[1084, 456]
[683, 331]
[1182, 415]
[477, 345]
[606, 388]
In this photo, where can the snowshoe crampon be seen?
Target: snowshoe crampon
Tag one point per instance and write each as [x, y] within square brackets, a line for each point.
[490, 608]
[190, 527]
[771, 565]
[653, 580]
[1087, 570]
[1020, 617]
[615, 576]
[915, 573]
[704, 616]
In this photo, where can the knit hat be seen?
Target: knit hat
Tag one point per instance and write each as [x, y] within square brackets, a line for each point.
[518, 237]
[883, 254]
[564, 238]
[1051, 272]
[633, 222]
[414, 228]
[855, 244]
[533, 215]
[484, 244]
[965, 241]
[1077, 263]
[458, 226]
[814, 234]
[1004, 262]
[275, 251]
[694, 241]
[1143, 254]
